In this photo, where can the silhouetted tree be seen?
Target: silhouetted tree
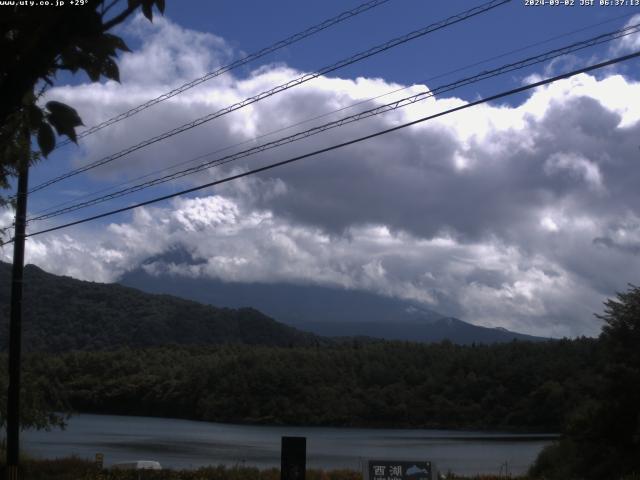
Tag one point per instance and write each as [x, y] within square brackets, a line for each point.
[616, 428]
[602, 438]
[37, 42]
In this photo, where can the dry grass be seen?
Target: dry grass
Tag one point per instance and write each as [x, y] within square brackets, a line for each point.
[73, 468]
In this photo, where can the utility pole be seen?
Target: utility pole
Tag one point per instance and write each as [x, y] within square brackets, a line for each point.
[15, 322]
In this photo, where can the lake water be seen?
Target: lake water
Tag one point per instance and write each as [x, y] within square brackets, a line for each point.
[189, 444]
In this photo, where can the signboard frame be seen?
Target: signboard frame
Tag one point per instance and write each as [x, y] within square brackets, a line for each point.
[422, 469]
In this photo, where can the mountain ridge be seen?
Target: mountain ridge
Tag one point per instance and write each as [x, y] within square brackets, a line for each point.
[62, 314]
[147, 311]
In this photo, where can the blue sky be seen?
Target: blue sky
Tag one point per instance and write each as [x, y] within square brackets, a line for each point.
[506, 215]
[249, 25]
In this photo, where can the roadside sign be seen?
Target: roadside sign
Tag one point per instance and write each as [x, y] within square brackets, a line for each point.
[99, 461]
[399, 470]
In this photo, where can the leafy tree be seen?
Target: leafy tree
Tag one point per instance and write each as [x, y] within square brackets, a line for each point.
[44, 399]
[602, 437]
[615, 432]
[35, 44]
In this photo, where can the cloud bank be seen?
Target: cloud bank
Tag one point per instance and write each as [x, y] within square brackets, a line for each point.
[524, 217]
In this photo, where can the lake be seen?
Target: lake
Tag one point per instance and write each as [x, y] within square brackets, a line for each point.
[190, 444]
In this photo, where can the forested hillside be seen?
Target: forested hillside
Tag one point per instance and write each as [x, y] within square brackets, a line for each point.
[521, 386]
[63, 314]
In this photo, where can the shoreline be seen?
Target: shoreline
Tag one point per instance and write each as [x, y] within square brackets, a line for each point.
[483, 433]
[192, 444]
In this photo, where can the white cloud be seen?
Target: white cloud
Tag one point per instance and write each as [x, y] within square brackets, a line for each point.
[628, 43]
[487, 282]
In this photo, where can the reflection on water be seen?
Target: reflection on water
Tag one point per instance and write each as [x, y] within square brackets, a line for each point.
[188, 444]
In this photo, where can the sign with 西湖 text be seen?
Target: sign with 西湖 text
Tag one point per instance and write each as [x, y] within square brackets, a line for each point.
[399, 470]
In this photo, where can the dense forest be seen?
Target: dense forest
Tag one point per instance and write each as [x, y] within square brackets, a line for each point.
[517, 386]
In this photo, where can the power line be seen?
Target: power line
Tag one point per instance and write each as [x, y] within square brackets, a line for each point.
[296, 37]
[58, 206]
[350, 119]
[341, 145]
[526, 47]
[280, 88]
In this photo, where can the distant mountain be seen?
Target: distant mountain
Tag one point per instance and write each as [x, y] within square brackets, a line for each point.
[61, 314]
[321, 310]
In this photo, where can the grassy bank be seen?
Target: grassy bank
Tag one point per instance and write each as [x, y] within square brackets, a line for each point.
[74, 468]
[78, 469]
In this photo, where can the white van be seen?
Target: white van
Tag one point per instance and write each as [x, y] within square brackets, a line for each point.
[137, 465]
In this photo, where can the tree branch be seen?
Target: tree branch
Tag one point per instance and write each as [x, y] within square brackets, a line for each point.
[121, 17]
[106, 9]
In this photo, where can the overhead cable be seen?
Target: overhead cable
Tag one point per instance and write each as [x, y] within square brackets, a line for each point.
[296, 37]
[527, 62]
[280, 88]
[340, 145]
[130, 181]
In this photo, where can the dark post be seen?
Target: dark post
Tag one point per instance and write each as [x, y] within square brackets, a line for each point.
[293, 458]
[15, 327]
